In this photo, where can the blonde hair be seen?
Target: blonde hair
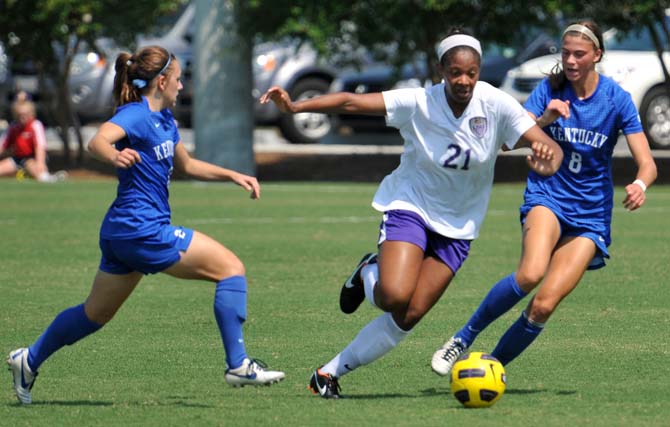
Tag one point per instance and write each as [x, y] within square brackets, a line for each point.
[22, 100]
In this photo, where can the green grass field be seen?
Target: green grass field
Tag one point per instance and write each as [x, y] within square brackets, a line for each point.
[602, 360]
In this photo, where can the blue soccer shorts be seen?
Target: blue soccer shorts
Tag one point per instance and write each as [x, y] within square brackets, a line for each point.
[594, 232]
[148, 255]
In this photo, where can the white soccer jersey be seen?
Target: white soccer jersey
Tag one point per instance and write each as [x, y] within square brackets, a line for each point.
[446, 169]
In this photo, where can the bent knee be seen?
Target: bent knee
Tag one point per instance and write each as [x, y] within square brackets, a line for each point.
[391, 301]
[528, 278]
[218, 269]
[541, 310]
[411, 317]
[235, 268]
[99, 315]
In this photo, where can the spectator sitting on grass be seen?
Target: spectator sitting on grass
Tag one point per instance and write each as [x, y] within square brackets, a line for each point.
[23, 146]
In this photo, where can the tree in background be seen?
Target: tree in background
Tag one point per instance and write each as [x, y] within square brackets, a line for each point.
[48, 33]
[412, 26]
[223, 81]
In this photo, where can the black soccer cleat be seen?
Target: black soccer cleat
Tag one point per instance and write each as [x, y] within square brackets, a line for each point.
[353, 293]
[325, 385]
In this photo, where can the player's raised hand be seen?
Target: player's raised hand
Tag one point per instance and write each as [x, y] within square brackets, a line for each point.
[556, 108]
[544, 160]
[280, 97]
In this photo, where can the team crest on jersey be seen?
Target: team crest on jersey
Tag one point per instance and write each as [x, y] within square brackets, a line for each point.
[478, 126]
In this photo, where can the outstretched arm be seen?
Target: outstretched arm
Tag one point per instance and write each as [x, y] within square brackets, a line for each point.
[204, 171]
[340, 102]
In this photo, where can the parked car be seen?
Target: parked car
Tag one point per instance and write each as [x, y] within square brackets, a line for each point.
[376, 78]
[289, 64]
[631, 60]
[497, 60]
[91, 74]
[92, 80]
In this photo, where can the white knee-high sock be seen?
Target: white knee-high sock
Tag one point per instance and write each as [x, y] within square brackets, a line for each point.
[370, 275]
[373, 341]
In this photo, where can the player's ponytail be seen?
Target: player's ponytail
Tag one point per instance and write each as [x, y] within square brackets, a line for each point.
[123, 92]
[135, 73]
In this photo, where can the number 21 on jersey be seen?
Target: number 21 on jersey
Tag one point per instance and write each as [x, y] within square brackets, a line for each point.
[456, 157]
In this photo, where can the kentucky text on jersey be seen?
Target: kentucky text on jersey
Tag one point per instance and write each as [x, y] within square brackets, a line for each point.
[164, 150]
[578, 136]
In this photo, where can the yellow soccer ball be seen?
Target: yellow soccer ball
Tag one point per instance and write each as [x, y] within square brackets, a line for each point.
[478, 380]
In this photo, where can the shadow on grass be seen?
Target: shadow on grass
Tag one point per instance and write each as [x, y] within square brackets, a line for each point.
[535, 391]
[423, 393]
[179, 403]
[63, 403]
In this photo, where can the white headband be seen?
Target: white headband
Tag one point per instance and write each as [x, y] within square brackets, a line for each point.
[458, 40]
[583, 30]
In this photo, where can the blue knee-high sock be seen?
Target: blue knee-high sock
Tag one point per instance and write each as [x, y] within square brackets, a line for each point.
[67, 328]
[502, 297]
[230, 310]
[517, 338]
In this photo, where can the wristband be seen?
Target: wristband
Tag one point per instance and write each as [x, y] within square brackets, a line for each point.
[641, 183]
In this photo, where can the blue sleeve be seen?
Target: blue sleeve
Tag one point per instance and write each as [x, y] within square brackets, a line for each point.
[129, 120]
[539, 98]
[629, 118]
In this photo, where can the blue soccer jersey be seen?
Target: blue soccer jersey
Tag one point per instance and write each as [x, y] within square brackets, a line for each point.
[141, 206]
[581, 191]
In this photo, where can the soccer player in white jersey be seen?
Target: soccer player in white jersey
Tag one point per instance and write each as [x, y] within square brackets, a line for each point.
[434, 202]
[565, 217]
[136, 237]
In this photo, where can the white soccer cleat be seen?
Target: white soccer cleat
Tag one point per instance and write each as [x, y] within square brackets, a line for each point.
[252, 372]
[445, 357]
[23, 377]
